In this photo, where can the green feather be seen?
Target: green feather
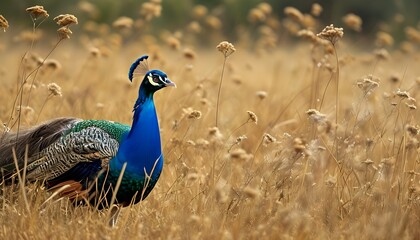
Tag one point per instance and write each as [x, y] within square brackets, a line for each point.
[114, 129]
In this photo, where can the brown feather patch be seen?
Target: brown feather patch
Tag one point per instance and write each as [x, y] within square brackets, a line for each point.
[73, 190]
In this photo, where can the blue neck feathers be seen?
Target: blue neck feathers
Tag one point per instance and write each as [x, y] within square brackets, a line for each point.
[141, 148]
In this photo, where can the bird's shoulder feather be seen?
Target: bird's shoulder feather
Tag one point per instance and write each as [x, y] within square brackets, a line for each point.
[86, 141]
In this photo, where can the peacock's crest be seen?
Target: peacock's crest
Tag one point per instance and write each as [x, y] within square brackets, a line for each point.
[139, 67]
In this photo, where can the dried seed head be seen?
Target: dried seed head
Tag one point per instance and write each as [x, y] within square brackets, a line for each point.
[65, 20]
[191, 142]
[411, 106]
[331, 34]
[266, 31]
[3, 23]
[237, 79]
[252, 116]
[213, 22]
[123, 23]
[265, 8]
[53, 64]
[368, 161]
[395, 78]
[202, 142]
[37, 11]
[5, 127]
[308, 21]
[173, 42]
[256, 15]
[35, 59]
[261, 94]
[316, 116]
[382, 54]
[299, 145]
[240, 154]
[237, 153]
[412, 34]
[307, 34]
[205, 101]
[194, 27]
[226, 48]
[150, 10]
[267, 139]
[240, 139]
[273, 23]
[189, 53]
[353, 22]
[368, 84]
[194, 115]
[384, 39]
[192, 176]
[190, 113]
[412, 130]
[316, 9]
[404, 94]
[215, 133]
[94, 51]
[294, 14]
[88, 8]
[64, 33]
[54, 89]
[406, 47]
[199, 11]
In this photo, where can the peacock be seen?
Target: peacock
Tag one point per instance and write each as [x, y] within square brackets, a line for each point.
[88, 159]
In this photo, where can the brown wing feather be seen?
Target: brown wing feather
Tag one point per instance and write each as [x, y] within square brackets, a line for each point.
[71, 189]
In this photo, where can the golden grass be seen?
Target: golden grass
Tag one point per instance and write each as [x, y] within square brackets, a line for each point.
[279, 165]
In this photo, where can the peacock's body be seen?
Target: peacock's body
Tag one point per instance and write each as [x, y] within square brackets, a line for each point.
[85, 158]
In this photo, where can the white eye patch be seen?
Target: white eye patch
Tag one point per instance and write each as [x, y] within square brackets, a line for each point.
[150, 78]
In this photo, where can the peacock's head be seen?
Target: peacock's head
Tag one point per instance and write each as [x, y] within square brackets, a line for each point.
[153, 79]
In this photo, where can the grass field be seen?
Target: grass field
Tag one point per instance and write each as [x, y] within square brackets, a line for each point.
[314, 140]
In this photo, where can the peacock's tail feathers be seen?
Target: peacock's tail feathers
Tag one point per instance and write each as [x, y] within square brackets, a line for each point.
[75, 142]
[35, 139]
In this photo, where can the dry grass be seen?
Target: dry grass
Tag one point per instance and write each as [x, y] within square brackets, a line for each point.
[291, 170]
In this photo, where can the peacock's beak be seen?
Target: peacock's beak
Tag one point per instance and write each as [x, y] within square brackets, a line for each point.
[169, 83]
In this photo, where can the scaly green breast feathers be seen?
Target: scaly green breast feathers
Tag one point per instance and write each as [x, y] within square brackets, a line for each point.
[114, 129]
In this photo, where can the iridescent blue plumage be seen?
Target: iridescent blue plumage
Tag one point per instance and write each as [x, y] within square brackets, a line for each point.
[141, 150]
[88, 156]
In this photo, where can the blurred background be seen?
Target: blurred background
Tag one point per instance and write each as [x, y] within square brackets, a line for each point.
[230, 18]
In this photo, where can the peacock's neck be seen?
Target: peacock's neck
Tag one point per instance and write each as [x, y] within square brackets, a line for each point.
[141, 148]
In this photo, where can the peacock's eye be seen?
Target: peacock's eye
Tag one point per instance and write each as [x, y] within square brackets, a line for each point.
[156, 79]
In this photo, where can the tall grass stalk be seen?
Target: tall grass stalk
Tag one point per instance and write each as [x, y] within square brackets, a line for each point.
[226, 49]
[219, 91]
